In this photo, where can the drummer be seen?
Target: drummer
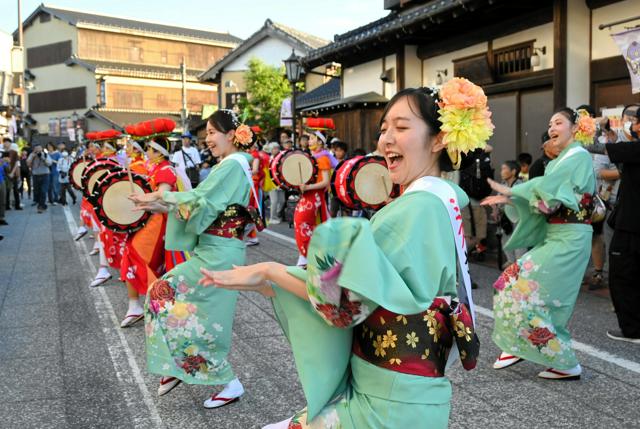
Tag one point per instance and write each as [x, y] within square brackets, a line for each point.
[110, 244]
[86, 222]
[136, 159]
[143, 260]
[312, 208]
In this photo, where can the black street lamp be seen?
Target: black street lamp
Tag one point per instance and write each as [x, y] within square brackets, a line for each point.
[293, 68]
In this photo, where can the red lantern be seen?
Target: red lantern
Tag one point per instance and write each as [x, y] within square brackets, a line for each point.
[139, 129]
[321, 123]
[256, 129]
[91, 135]
[130, 129]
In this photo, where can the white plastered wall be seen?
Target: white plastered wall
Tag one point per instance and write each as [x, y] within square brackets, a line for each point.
[602, 44]
[578, 58]
[363, 78]
[270, 50]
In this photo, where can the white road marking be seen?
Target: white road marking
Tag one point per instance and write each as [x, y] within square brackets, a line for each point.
[121, 354]
[279, 236]
[577, 345]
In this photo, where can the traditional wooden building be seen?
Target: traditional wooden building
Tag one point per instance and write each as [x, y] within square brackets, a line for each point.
[530, 56]
[111, 71]
[272, 44]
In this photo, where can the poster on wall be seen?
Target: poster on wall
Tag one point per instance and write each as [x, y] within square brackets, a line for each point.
[629, 44]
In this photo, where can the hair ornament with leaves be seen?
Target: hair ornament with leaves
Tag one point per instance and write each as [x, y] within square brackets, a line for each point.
[586, 127]
[243, 136]
[464, 115]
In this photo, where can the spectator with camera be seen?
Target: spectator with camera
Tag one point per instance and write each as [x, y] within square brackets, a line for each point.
[188, 157]
[39, 162]
[624, 252]
[64, 164]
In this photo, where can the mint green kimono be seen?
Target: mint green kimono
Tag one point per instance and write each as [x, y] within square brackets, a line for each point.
[535, 297]
[187, 326]
[403, 259]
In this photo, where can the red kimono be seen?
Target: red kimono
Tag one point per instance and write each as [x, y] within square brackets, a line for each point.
[144, 256]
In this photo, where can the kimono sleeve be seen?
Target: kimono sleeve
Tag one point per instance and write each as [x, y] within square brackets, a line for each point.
[225, 185]
[534, 200]
[166, 175]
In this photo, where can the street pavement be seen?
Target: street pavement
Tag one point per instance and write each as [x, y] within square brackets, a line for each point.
[65, 363]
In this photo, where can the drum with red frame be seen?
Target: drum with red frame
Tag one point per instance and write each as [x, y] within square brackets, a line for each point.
[75, 171]
[363, 182]
[113, 207]
[292, 168]
[94, 171]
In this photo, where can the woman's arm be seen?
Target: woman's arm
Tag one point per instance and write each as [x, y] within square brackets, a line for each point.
[324, 182]
[256, 278]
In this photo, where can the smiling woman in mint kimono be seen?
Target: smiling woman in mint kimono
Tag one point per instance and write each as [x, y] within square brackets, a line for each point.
[373, 318]
[188, 327]
[535, 296]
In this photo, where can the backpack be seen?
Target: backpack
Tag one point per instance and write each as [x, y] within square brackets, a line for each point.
[473, 179]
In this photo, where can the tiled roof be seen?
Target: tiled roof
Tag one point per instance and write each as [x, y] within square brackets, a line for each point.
[302, 42]
[323, 94]
[389, 25]
[133, 70]
[368, 99]
[75, 17]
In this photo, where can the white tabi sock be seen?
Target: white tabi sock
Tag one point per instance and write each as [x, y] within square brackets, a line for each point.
[103, 272]
[134, 307]
[81, 230]
[232, 389]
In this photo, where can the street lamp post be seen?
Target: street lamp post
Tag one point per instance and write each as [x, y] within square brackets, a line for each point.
[293, 67]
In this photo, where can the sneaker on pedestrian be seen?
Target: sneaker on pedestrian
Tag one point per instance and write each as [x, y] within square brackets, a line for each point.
[619, 336]
[274, 221]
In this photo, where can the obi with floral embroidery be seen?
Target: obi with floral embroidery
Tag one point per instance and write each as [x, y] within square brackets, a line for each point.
[232, 222]
[564, 214]
[417, 344]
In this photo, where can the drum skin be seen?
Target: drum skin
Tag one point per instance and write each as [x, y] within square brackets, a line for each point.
[75, 171]
[112, 205]
[363, 182]
[291, 168]
[99, 167]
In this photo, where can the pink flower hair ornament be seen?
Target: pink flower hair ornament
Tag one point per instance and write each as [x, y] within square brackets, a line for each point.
[586, 128]
[465, 117]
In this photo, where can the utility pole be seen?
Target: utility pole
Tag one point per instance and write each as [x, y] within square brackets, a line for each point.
[183, 111]
[21, 84]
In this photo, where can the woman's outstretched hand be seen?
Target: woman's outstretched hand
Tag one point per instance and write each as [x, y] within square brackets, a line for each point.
[250, 278]
[495, 200]
[150, 197]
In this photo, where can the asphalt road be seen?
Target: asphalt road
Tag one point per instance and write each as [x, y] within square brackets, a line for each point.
[65, 363]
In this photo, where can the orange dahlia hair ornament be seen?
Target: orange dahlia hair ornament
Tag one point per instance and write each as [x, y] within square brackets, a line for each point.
[586, 128]
[465, 117]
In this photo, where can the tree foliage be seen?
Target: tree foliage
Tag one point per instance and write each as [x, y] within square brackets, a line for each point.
[267, 86]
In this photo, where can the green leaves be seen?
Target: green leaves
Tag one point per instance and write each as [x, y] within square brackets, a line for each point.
[267, 87]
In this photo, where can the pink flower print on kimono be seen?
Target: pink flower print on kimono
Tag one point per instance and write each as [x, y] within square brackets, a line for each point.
[338, 306]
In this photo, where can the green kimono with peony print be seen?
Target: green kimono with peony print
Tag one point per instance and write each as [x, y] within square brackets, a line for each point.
[187, 326]
[386, 276]
[535, 297]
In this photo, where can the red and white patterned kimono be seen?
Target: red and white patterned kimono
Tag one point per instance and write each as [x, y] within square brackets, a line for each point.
[312, 208]
[144, 255]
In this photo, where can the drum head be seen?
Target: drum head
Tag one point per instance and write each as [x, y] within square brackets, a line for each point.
[118, 207]
[95, 171]
[372, 184]
[297, 168]
[113, 207]
[76, 171]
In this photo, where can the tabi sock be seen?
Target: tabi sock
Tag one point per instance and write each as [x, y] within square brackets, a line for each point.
[134, 306]
[232, 389]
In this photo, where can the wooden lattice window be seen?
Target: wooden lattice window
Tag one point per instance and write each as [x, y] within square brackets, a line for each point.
[513, 60]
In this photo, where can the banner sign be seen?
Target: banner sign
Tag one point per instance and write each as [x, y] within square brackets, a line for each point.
[629, 44]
